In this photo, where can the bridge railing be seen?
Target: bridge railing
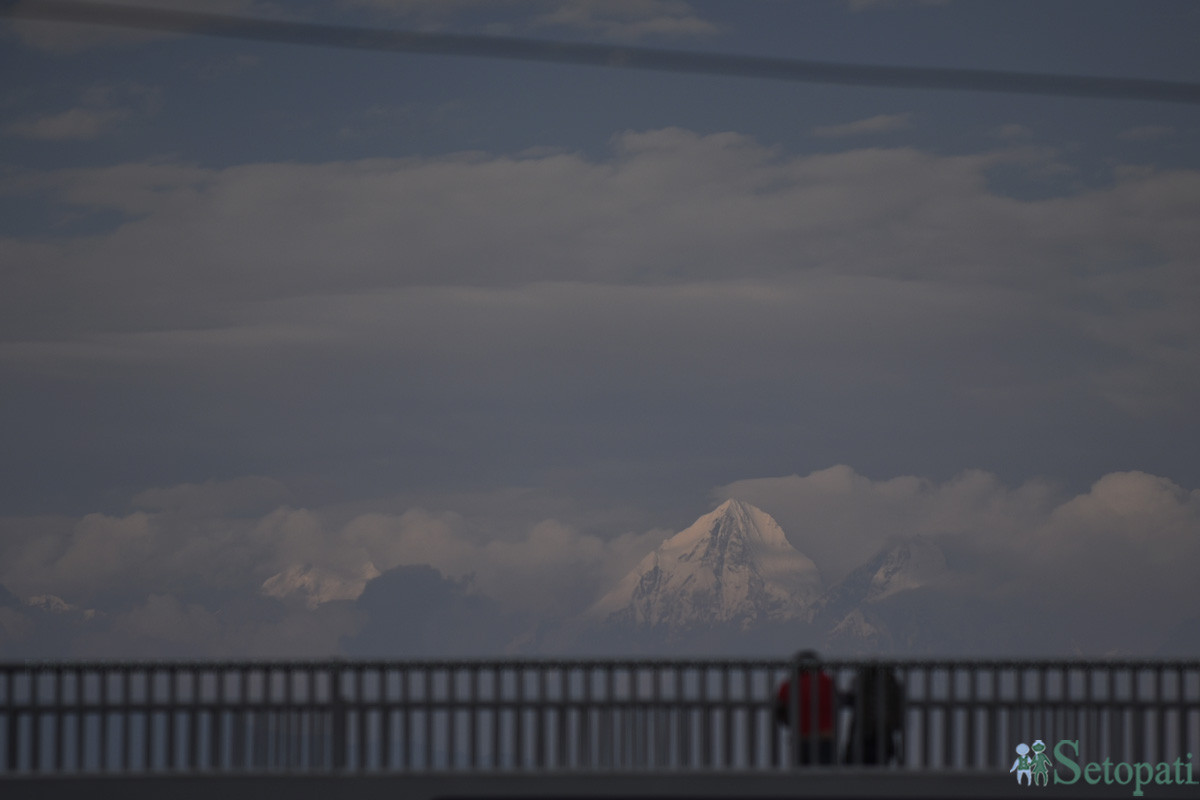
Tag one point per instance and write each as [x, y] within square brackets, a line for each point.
[527, 716]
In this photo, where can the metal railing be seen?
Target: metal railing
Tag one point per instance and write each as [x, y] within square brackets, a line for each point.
[528, 716]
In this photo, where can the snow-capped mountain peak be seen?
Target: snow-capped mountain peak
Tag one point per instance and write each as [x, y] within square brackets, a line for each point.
[909, 564]
[733, 564]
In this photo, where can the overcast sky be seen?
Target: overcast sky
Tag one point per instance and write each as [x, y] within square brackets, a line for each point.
[281, 327]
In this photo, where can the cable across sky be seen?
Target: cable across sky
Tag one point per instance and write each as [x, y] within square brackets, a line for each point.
[600, 55]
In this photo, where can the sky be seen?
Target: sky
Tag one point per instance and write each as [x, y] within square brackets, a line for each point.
[313, 351]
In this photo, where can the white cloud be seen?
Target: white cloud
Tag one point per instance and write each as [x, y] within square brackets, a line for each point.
[180, 584]
[1146, 133]
[72, 124]
[840, 518]
[349, 258]
[65, 38]
[1014, 132]
[1109, 569]
[881, 123]
[103, 110]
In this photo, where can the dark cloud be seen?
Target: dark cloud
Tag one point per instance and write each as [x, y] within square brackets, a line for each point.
[415, 611]
[706, 300]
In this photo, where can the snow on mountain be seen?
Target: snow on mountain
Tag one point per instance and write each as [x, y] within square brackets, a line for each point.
[848, 611]
[732, 565]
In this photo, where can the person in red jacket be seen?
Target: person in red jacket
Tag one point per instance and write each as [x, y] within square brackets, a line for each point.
[815, 746]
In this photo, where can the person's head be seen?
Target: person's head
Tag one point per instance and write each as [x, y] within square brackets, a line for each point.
[1022, 749]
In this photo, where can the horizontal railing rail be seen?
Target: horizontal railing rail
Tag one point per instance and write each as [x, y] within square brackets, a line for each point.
[619, 715]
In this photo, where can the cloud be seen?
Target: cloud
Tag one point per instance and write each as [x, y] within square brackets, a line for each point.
[73, 124]
[552, 313]
[201, 576]
[865, 5]
[301, 581]
[840, 518]
[64, 38]
[1146, 133]
[881, 123]
[630, 19]
[620, 20]
[1031, 569]
[415, 611]
[1014, 132]
[103, 110]
[236, 497]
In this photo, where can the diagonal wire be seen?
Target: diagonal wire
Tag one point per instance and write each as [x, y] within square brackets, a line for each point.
[643, 58]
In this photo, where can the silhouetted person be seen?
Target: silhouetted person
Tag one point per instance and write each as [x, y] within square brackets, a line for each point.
[815, 746]
[877, 721]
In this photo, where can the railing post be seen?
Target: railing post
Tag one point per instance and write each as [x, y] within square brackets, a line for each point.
[793, 714]
[338, 709]
[13, 721]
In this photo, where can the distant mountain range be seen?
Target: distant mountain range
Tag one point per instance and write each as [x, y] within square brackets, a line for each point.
[733, 582]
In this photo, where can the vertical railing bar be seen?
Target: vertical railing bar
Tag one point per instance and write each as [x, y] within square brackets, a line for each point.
[1044, 705]
[406, 735]
[306, 708]
[664, 719]
[858, 747]
[1114, 714]
[275, 721]
[519, 719]
[291, 738]
[36, 723]
[13, 753]
[451, 715]
[609, 721]
[427, 694]
[81, 717]
[706, 733]
[387, 713]
[168, 715]
[1160, 717]
[193, 752]
[216, 721]
[241, 720]
[1181, 720]
[585, 719]
[776, 737]
[358, 762]
[1091, 717]
[562, 751]
[540, 720]
[148, 697]
[752, 718]
[103, 764]
[972, 759]
[727, 714]
[126, 720]
[926, 693]
[633, 723]
[59, 720]
[950, 717]
[497, 684]
[473, 717]
[996, 747]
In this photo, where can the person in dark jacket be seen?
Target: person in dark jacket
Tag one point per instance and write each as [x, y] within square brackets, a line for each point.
[877, 721]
